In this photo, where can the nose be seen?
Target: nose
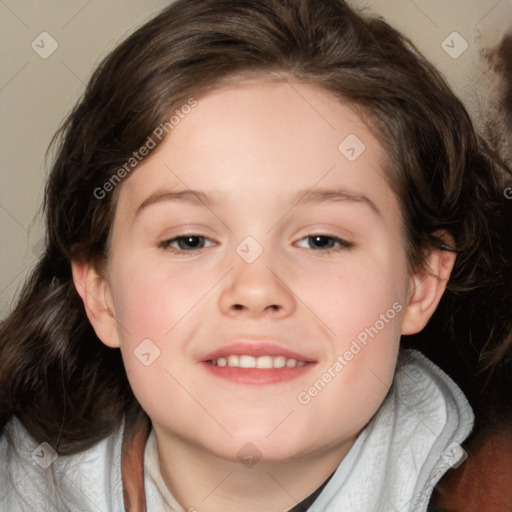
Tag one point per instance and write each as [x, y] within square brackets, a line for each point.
[255, 290]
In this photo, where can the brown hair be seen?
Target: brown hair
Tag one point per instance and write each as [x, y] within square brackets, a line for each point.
[70, 390]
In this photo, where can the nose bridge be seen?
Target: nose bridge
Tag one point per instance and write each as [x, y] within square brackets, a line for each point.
[255, 286]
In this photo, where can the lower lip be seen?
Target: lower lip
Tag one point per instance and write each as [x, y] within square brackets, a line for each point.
[258, 376]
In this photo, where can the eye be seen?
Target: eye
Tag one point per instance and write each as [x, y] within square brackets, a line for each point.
[186, 243]
[324, 243]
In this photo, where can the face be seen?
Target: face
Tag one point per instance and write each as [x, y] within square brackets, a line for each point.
[261, 233]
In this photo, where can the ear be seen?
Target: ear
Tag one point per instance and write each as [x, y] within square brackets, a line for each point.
[426, 287]
[97, 297]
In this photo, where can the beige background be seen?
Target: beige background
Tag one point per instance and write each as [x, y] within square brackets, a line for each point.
[36, 93]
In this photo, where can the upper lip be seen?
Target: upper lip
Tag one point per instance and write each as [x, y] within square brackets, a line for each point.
[256, 349]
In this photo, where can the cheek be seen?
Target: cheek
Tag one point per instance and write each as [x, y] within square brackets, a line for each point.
[362, 309]
[157, 311]
[151, 312]
[347, 389]
[152, 299]
[357, 300]
[346, 393]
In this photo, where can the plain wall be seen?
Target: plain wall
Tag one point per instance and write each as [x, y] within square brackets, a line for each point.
[36, 92]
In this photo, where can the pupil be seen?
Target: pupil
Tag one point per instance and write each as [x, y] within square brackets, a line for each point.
[190, 241]
[321, 241]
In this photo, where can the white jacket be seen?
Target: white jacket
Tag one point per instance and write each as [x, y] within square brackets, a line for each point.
[393, 466]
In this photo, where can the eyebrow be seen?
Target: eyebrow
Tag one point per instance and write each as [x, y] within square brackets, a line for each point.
[300, 197]
[317, 196]
[187, 196]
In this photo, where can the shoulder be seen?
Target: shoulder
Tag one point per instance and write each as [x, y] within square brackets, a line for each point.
[484, 478]
[33, 476]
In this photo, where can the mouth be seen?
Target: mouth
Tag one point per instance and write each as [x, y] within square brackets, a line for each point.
[263, 362]
[249, 363]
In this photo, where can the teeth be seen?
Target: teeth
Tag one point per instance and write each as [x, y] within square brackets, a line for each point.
[280, 362]
[264, 362]
[247, 362]
[233, 361]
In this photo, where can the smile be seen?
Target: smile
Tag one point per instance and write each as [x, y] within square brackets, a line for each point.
[263, 362]
[253, 362]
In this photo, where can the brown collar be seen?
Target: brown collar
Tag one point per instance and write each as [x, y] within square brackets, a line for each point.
[135, 438]
[132, 464]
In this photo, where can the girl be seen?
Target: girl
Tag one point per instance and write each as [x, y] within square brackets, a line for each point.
[250, 205]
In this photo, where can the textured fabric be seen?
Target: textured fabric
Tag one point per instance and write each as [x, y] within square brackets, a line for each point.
[87, 482]
[393, 465]
[412, 441]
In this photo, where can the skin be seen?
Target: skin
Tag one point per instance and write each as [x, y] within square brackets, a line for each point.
[251, 146]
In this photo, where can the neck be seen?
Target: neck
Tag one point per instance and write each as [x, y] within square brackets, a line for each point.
[201, 480]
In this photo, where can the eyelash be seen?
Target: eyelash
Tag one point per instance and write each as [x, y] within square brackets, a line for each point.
[342, 244]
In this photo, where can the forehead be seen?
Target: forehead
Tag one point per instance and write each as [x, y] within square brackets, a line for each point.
[265, 137]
